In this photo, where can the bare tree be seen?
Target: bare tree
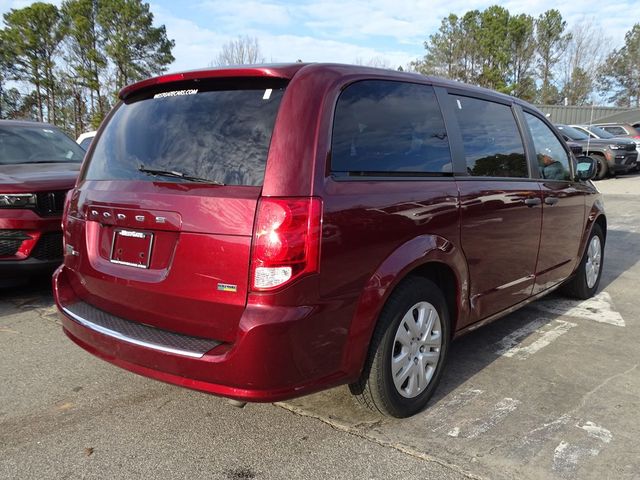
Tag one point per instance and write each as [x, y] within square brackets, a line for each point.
[583, 59]
[243, 50]
[376, 62]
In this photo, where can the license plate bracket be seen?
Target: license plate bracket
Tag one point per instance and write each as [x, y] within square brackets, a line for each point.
[131, 247]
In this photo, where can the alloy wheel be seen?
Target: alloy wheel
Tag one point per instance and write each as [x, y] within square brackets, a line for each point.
[416, 349]
[594, 260]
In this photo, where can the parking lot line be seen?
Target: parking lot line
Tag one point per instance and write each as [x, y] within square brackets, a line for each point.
[599, 309]
[549, 330]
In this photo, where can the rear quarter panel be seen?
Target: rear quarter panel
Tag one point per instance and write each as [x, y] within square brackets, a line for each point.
[374, 231]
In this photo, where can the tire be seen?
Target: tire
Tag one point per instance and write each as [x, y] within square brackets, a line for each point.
[584, 283]
[602, 167]
[393, 339]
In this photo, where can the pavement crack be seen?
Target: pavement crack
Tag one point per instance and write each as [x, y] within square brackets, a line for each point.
[602, 384]
[383, 443]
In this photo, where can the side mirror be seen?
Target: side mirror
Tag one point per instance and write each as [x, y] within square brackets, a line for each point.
[586, 168]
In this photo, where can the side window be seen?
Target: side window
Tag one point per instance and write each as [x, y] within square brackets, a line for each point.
[492, 143]
[582, 130]
[553, 160]
[616, 130]
[389, 128]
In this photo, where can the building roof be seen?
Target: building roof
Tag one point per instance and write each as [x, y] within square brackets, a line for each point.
[630, 116]
[585, 115]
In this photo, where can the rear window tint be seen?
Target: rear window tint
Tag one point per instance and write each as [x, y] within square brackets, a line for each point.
[222, 135]
[389, 128]
[491, 139]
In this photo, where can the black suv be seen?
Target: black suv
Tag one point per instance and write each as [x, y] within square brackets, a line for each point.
[612, 155]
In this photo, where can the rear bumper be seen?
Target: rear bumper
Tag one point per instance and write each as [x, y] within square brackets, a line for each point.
[269, 361]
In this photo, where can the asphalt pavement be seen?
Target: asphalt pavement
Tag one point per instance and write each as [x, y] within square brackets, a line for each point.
[549, 392]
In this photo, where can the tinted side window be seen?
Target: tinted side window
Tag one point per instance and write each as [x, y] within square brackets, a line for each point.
[492, 143]
[616, 130]
[553, 160]
[389, 127]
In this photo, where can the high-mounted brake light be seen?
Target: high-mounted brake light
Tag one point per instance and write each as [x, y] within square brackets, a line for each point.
[286, 241]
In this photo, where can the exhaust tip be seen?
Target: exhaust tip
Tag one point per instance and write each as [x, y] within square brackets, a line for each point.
[236, 403]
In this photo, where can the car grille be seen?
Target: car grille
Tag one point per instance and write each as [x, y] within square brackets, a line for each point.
[49, 247]
[10, 241]
[630, 146]
[50, 203]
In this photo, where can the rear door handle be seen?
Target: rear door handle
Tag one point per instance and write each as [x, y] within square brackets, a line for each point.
[532, 202]
[551, 200]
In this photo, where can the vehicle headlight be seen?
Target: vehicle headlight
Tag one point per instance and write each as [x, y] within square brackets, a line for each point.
[616, 147]
[17, 200]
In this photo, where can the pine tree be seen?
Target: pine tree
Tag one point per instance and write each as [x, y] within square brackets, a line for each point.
[31, 42]
[136, 48]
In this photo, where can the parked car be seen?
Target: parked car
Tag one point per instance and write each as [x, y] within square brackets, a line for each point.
[264, 232]
[597, 132]
[620, 129]
[613, 156]
[84, 140]
[38, 165]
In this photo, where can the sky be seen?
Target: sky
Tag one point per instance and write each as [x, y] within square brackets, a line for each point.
[388, 32]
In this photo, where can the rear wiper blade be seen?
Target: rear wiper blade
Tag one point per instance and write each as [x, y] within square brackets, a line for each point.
[174, 174]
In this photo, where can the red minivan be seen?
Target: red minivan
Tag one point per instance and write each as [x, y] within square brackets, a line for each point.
[264, 232]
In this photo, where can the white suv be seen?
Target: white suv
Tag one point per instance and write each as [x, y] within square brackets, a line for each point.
[84, 140]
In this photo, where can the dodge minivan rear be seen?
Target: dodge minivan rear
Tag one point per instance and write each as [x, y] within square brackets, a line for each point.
[262, 233]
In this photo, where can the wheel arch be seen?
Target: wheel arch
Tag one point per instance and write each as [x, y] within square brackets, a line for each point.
[427, 256]
[601, 221]
[598, 217]
[595, 152]
[445, 278]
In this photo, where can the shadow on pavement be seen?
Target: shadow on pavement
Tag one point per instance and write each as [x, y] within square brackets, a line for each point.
[477, 350]
[622, 252]
[34, 293]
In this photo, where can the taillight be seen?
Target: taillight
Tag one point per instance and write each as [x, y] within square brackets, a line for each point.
[286, 241]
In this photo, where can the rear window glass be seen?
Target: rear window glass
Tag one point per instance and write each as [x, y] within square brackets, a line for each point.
[616, 130]
[213, 132]
[36, 144]
[491, 139]
[389, 128]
